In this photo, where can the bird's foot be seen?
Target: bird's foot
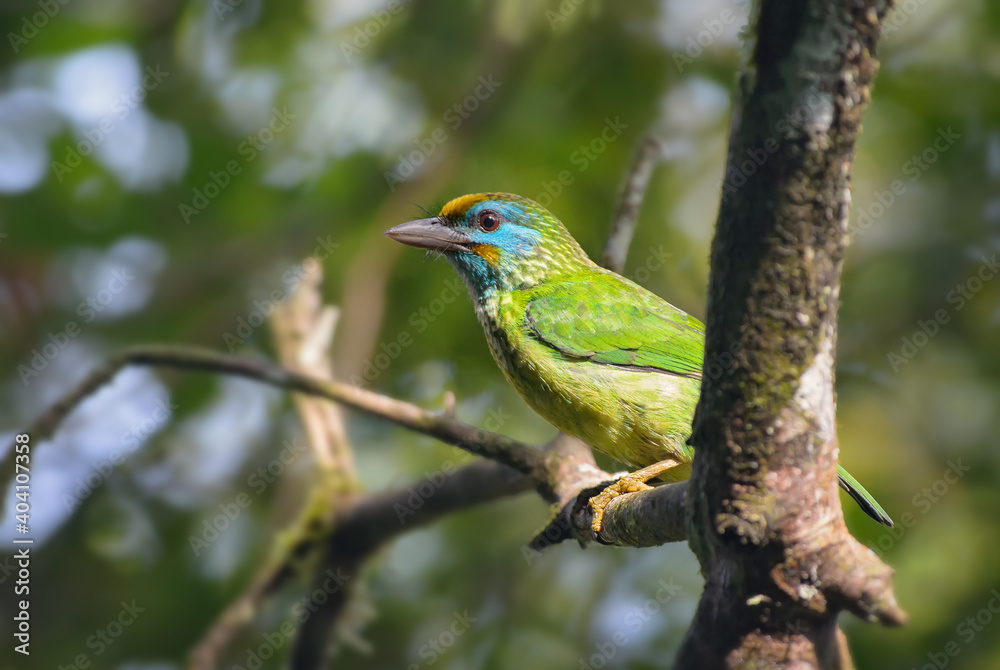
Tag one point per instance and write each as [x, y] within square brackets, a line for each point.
[630, 483]
[627, 484]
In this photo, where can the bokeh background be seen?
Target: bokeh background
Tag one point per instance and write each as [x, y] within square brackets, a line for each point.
[165, 164]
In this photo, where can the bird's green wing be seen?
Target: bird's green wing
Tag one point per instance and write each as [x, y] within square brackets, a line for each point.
[861, 496]
[607, 319]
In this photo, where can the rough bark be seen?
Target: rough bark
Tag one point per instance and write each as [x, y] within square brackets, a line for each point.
[763, 511]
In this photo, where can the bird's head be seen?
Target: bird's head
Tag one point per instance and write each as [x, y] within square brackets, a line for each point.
[497, 241]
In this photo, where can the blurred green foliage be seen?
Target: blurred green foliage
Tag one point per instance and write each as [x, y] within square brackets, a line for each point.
[201, 150]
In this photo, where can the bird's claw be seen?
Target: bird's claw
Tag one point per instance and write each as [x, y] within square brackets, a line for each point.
[627, 484]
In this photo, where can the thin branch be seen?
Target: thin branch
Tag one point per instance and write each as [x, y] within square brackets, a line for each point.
[302, 330]
[649, 151]
[373, 520]
[239, 612]
[561, 472]
[558, 473]
[510, 452]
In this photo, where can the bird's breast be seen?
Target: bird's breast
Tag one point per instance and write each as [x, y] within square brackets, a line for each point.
[501, 329]
[635, 417]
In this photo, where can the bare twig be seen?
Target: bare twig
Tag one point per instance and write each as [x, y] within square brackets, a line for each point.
[647, 154]
[517, 455]
[557, 474]
[238, 613]
[302, 329]
[303, 332]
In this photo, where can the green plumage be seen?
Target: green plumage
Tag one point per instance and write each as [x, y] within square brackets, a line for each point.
[598, 356]
[603, 360]
[607, 319]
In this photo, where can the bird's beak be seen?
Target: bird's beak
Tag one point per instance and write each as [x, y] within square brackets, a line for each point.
[429, 234]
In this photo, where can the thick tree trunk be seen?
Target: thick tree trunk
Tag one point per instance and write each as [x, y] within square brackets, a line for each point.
[764, 514]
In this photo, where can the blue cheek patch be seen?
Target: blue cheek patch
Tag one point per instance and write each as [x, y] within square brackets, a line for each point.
[511, 238]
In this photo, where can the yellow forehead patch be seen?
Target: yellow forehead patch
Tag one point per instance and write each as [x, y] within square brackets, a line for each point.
[461, 204]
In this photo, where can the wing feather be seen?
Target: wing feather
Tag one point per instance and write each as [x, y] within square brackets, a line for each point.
[612, 321]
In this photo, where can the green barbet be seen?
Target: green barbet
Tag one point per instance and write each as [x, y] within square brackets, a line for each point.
[598, 356]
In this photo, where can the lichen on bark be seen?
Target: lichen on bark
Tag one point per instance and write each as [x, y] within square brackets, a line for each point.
[763, 511]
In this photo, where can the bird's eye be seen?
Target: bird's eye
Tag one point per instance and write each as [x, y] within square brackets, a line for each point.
[489, 221]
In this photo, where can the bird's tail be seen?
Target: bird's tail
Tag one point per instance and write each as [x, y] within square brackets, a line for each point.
[862, 497]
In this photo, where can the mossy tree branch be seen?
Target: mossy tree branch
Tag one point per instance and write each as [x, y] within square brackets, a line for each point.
[764, 513]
